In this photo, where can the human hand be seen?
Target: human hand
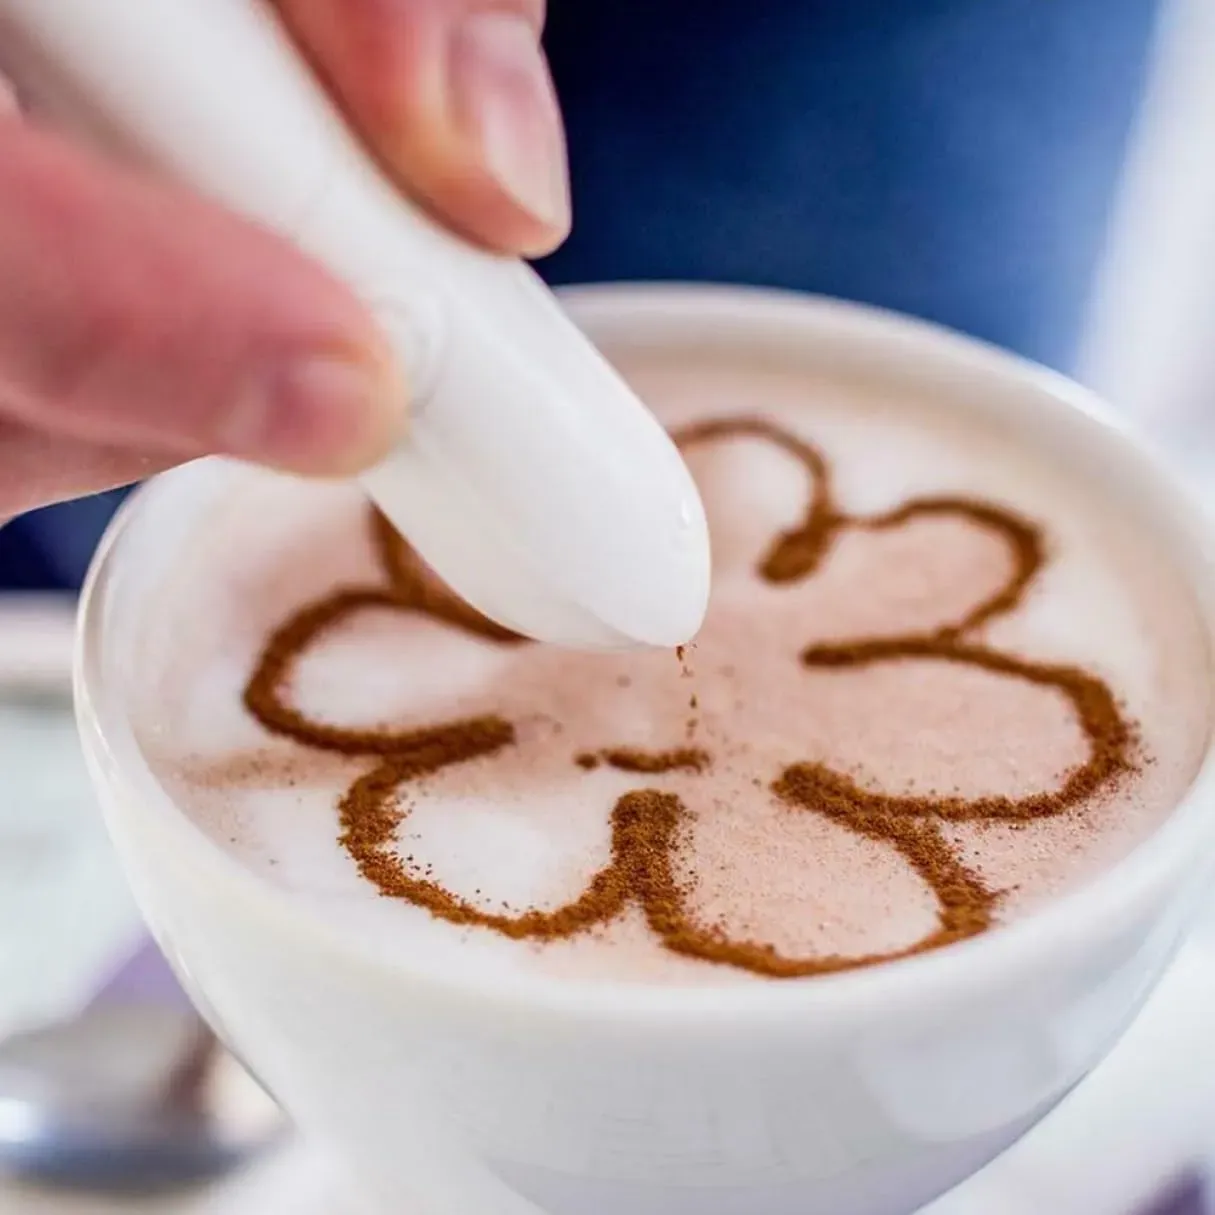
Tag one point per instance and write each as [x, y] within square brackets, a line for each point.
[140, 325]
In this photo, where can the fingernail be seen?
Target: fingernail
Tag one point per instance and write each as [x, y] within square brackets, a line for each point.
[323, 415]
[504, 102]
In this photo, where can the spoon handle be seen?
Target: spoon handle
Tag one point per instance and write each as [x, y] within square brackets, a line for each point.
[143, 976]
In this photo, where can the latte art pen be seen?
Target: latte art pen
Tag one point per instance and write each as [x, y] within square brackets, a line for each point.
[532, 480]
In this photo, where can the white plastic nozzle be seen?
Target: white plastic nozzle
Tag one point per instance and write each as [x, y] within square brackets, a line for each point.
[532, 479]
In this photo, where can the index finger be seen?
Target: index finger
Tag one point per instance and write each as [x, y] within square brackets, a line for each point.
[455, 99]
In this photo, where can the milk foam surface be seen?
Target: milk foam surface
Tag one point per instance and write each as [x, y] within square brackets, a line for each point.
[525, 828]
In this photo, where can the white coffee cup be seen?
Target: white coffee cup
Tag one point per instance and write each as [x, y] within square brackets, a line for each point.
[863, 1093]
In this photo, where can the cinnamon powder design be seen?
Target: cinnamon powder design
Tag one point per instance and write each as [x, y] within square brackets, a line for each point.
[648, 826]
[632, 759]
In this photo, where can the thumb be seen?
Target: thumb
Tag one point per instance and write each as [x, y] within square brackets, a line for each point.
[455, 98]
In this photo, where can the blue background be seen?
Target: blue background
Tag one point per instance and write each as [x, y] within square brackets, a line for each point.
[951, 158]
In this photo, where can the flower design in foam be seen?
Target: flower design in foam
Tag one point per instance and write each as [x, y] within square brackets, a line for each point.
[823, 634]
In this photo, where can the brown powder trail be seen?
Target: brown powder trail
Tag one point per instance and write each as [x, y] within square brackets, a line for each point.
[370, 816]
[1109, 736]
[264, 694]
[1024, 540]
[649, 826]
[795, 553]
[633, 759]
[419, 589]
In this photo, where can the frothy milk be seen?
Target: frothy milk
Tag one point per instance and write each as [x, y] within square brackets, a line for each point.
[941, 680]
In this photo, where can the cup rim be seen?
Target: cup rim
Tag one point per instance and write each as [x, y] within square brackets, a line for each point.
[1059, 930]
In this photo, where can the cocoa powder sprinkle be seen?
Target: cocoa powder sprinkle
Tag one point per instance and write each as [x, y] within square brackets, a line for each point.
[633, 759]
[648, 825]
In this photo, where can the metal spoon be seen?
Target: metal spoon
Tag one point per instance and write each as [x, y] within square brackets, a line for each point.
[134, 1094]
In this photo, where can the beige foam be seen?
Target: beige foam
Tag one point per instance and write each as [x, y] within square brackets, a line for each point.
[526, 827]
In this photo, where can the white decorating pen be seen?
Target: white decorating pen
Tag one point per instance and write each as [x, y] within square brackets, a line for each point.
[532, 479]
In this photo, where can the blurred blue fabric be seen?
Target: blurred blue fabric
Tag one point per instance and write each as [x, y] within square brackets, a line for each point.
[955, 159]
